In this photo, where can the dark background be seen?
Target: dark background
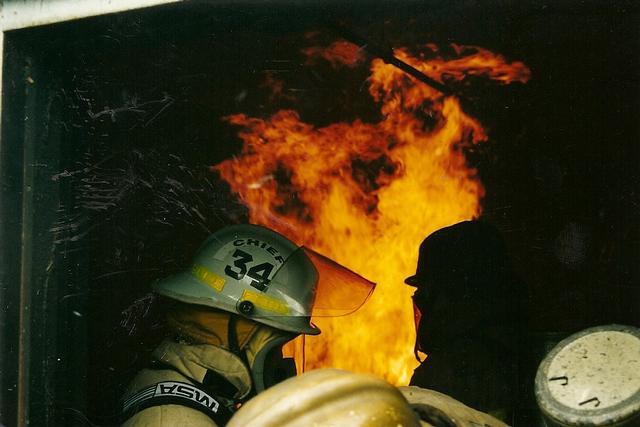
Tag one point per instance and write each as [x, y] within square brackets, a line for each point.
[136, 100]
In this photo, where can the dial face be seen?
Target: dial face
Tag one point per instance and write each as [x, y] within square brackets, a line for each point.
[596, 371]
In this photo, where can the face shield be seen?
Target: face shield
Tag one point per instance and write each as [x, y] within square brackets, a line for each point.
[289, 301]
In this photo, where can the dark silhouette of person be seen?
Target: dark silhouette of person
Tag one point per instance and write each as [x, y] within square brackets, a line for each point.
[471, 320]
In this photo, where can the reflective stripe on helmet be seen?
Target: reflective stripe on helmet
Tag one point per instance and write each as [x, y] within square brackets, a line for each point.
[264, 302]
[207, 276]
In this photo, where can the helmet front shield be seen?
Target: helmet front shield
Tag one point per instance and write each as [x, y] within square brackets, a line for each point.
[338, 291]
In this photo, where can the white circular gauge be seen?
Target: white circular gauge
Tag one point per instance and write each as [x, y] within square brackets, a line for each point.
[592, 378]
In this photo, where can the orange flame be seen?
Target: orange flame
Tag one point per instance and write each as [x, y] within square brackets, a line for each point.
[339, 53]
[473, 60]
[366, 194]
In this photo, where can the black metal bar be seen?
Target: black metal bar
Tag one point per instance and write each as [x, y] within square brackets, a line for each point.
[387, 56]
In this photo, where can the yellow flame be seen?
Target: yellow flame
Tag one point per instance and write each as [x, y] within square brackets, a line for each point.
[366, 194]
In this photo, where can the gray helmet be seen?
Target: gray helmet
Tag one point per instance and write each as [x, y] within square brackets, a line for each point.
[260, 274]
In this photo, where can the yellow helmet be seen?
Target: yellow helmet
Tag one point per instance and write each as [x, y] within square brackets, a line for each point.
[327, 398]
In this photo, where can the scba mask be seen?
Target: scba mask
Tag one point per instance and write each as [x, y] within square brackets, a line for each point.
[264, 355]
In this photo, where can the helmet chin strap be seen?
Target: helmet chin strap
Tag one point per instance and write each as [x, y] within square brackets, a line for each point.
[267, 367]
[232, 339]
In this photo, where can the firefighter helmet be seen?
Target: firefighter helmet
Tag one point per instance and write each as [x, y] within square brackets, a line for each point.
[260, 274]
[327, 398]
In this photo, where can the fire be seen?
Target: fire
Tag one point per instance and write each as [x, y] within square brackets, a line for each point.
[366, 194]
[472, 60]
[339, 53]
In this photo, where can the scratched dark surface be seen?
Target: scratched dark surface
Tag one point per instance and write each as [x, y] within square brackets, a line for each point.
[140, 100]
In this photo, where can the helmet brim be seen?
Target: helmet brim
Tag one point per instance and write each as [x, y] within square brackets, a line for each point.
[412, 280]
[184, 287]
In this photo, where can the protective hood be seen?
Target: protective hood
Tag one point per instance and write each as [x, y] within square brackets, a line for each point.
[258, 345]
[204, 325]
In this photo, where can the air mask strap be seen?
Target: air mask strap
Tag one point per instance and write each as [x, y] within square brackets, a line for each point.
[177, 393]
[213, 383]
[232, 335]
